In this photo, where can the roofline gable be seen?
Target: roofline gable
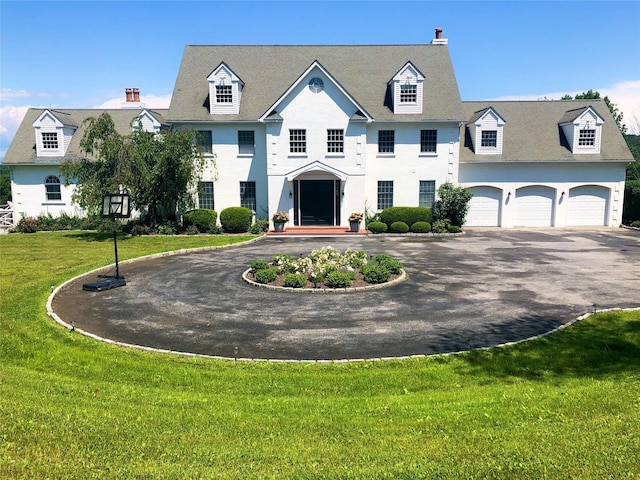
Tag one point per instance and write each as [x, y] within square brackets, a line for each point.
[481, 114]
[574, 116]
[316, 166]
[46, 112]
[419, 75]
[223, 65]
[294, 85]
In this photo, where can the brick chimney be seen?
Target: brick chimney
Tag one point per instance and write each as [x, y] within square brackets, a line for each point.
[136, 94]
[439, 40]
[129, 94]
[132, 98]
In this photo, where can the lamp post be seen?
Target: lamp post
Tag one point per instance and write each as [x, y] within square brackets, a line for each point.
[114, 205]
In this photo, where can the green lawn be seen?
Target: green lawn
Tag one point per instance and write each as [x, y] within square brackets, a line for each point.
[567, 406]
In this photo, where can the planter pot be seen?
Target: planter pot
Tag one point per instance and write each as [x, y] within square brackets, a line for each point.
[354, 226]
[278, 227]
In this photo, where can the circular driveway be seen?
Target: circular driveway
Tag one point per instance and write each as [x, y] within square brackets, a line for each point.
[480, 289]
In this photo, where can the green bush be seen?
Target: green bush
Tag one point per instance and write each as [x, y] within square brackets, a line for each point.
[421, 227]
[266, 275]
[440, 226]
[453, 229]
[192, 230]
[408, 215]
[295, 280]
[167, 228]
[28, 225]
[258, 265]
[635, 224]
[214, 230]
[378, 227]
[375, 273]
[631, 209]
[340, 279]
[385, 260]
[139, 230]
[453, 204]
[260, 225]
[399, 227]
[236, 219]
[202, 218]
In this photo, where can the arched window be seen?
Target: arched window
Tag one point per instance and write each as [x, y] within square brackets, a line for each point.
[52, 188]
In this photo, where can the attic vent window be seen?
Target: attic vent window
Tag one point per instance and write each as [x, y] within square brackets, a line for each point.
[587, 138]
[50, 140]
[408, 93]
[224, 94]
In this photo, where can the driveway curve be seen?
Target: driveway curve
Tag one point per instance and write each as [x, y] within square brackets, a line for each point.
[480, 289]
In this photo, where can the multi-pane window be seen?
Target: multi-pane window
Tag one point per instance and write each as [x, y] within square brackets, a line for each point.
[335, 141]
[427, 194]
[428, 140]
[385, 194]
[298, 141]
[52, 188]
[489, 138]
[50, 140]
[205, 141]
[408, 93]
[246, 141]
[386, 141]
[224, 94]
[205, 195]
[587, 138]
[248, 195]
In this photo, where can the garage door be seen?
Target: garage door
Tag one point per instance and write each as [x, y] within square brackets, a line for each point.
[534, 207]
[587, 206]
[484, 207]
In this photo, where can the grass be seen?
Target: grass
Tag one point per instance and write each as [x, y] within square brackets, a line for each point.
[561, 407]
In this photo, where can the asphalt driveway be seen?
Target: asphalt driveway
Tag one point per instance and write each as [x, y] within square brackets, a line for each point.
[483, 288]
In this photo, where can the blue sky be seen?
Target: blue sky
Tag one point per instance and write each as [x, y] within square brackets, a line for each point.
[84, 54]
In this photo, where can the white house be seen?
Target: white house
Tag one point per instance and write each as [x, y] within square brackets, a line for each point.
[323, 131]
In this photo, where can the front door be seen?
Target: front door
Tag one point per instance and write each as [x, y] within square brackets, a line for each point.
[317, 202]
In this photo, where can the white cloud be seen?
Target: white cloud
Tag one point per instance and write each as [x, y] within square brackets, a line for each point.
[9, 94]
[625, 95]
[149, 101]
[10, 118]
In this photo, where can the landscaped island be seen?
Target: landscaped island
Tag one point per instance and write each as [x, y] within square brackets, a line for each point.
[326, 268]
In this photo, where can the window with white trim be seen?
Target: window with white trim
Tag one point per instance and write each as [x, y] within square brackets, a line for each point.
[246, 142]
[489, 138]
[587, 138]
[52, 188]
[248, 195]
[224, 94]
[386, 141]
[408, 93]
[335, 141]
[427, 193]
[385, 194]
[205, 195]
[297, 141]
[428, 141]
[50, 140]
[205, 141]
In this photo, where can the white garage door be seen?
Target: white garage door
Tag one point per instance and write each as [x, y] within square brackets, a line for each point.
[587, 206]
[534, 207]
[484, 207]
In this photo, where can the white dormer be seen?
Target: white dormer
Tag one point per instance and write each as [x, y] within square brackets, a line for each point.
[486, 131]
[407, 90]
[146, 122]
[225, 90]
[583, 130]
[53, 131]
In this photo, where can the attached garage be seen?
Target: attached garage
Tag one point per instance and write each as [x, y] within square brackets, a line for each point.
[484, 207]
[587, 206]
[534, 206]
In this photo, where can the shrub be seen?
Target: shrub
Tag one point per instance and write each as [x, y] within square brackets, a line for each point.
[107, 225]
[28, 225]
[214, 230]
[631, 209]
[138, 230]
[399, 227]
[375, 273]
[236, 219]
[266, 275]
[453, 229]
[340, 279]
[385, 260]
[453, 204]
[202, 218]
[260, 225]
[635, 224]
[377, 227]
[356, 258]
[295, 280]
[192, 230]
[408, 215]
[421, 227]
[258, 265]
[167, 228]
[440, 226]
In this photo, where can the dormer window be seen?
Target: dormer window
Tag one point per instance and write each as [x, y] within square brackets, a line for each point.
[225, 90]
[407, 90]
[486, 129]
[50, 140]
[489, 139]
[582, 129]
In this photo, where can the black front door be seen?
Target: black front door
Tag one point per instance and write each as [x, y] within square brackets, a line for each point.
[317, 202]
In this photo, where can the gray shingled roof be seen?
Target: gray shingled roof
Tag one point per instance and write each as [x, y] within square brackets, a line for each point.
[532, 132]
[23, 147]
[269, 70]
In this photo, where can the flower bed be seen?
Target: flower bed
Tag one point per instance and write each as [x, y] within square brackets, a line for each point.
[326, 269]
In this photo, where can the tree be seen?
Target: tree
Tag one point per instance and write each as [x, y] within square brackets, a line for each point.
[159, 170]
[615, 112]
[5, 185]
[453, 203]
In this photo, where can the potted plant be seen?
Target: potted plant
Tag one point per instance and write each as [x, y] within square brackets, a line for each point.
[279, 220]
[354, 221]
